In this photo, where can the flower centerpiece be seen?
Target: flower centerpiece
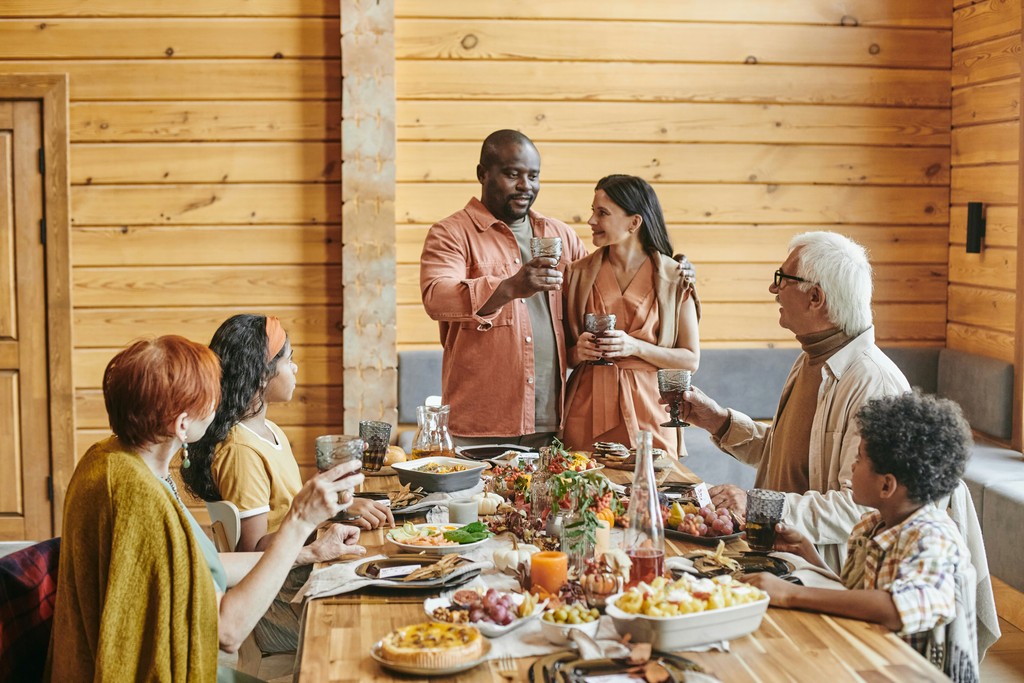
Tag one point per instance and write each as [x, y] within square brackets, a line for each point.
[584, 498]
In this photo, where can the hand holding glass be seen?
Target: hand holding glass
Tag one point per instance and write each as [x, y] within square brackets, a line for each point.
[335, 449]
[597, 324]
[764, 511]
[671, 385]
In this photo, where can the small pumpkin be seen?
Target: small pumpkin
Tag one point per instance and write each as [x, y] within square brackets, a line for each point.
[509, 559]
[487, 503]
[607, 515]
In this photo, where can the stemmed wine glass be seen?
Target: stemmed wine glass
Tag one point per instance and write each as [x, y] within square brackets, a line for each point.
[671, 385]
[597, 324]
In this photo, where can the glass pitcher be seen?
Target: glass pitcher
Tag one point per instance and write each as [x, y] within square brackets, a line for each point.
[432, 435]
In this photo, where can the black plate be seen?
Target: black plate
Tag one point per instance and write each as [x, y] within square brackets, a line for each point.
[487, 451]
[566, 667]
[422, 560]
[701, 540]
[545, 667]
[752, 562]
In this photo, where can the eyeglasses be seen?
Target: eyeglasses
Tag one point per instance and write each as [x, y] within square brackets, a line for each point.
[780, 276]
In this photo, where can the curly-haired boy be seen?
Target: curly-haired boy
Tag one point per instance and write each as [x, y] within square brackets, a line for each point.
[903, 558]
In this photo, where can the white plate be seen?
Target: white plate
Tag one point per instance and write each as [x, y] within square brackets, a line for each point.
[435, 549]
[487, 628]
[421, 671]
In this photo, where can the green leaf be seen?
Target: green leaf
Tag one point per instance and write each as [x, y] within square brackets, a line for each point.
[471, 533]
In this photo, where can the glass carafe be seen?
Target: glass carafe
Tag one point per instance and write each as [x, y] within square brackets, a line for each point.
[645, 536]
[432, 435]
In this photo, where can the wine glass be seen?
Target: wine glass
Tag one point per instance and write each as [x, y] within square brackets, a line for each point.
[546, 247]
[671, 385]
[597, 324]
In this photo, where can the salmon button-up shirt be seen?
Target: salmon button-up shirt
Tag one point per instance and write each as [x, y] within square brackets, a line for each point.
[487, 370]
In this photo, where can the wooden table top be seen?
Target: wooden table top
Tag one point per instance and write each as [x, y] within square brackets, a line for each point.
[790, 645]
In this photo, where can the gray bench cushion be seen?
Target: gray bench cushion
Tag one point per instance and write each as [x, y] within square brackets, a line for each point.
[920, 365]
[982, 386]
[1004, 510]
[713, 465]
[991, 464]
[747, 380]
[419, 376]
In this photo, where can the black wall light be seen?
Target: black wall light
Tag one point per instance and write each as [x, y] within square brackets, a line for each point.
[975, 227]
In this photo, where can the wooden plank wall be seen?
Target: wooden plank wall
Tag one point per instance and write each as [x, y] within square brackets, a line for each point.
[985, 156]
[754, 120]
[205, 178]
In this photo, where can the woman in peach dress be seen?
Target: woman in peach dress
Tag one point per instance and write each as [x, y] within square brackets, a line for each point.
[632, 275]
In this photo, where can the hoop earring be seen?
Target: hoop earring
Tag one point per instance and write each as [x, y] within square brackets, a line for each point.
[185, 462]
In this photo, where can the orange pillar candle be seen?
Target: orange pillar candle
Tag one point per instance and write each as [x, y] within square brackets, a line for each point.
[548, 569]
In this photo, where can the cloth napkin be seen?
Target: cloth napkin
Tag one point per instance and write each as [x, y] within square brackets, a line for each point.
[811, 575]
[441, 499]
[341, 578]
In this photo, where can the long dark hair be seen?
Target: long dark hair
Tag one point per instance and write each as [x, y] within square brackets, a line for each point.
[241, 344]
[636, 197]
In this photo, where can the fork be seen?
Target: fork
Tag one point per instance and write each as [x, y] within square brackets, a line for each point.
[507, 668]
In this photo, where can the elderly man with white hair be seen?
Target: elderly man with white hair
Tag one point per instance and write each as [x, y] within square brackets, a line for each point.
[824, 294]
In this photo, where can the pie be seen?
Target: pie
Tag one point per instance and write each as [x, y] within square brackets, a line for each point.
[433, 645]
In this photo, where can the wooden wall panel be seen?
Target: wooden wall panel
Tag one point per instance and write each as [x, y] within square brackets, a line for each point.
[165, 246]
[664, 41]
[191, 38]
[710, 203]
[115, 327]
[472, 121]
[984, 21]
[756, 244]
[205, 121]
[754, 123]
[196, 79]
[238, 162]
[911, 13]
[169, 8]
[697, 162]
[206, 177]
[984, 314]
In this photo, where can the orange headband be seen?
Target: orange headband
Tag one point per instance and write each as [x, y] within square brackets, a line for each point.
[275, 337]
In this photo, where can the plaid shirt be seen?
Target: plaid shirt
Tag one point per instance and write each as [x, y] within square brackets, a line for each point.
[28, 589]
[915, 561]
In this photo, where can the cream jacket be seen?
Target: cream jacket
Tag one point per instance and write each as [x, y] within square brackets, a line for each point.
[826, 513]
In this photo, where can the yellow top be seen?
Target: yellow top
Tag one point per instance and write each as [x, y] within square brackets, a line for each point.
[256, 475]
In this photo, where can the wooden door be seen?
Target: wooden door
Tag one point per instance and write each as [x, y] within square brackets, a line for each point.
[25, 487]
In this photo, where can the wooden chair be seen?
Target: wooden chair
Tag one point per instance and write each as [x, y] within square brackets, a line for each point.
[226, 525]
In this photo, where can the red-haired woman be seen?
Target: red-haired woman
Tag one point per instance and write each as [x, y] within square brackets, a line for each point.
[142, 594]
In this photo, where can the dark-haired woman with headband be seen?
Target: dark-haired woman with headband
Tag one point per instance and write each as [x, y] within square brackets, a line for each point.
[245, 458]
[632, 275]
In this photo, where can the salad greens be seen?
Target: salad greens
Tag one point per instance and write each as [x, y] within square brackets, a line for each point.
[471, 533]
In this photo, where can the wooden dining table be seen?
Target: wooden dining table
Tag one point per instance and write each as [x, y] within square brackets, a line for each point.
[790, 645]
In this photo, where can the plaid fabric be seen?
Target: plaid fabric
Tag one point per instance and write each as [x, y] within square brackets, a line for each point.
[916, 561]
[28, 589]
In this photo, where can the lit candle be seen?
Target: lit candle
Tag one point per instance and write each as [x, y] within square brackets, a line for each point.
[602, 538]
[548, 569]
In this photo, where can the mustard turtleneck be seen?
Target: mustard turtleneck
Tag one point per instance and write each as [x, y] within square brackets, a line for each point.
[786, 467]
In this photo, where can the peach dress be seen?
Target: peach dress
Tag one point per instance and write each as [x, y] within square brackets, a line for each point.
[611, 403]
